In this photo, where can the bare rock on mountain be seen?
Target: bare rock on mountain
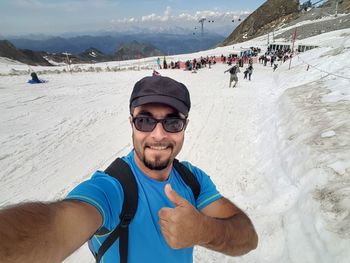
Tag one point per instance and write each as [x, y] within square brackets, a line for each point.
[276, 13]
[266, 17]
[136, 50]
[8, 50]
[94, 55]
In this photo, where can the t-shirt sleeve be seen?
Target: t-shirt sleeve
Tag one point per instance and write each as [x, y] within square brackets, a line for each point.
[209, 193]
[103, 192]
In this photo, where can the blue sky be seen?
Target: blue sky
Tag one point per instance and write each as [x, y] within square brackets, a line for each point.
[60, 16]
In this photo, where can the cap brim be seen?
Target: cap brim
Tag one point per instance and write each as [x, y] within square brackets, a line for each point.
[172, 102]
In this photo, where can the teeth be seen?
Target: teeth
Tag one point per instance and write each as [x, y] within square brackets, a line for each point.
[158, 147]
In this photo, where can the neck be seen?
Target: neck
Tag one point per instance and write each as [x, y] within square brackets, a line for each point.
[159, 175]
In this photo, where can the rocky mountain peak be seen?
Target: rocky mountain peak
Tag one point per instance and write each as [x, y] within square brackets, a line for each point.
[264, 18]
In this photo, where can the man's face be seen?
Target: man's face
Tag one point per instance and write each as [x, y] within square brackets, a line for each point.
[156, 149]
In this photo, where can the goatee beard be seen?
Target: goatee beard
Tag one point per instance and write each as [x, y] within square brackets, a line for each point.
[156, 165]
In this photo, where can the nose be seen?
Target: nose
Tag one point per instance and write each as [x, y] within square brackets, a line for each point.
[159, 133]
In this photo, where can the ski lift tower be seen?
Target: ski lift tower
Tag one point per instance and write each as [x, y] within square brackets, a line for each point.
[336, 6]
[201, 21]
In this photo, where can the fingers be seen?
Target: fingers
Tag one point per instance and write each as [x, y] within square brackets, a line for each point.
[170, 233]
[165, 213]
[166, 226]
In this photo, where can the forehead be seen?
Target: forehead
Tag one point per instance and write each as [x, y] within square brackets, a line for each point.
[156, 109]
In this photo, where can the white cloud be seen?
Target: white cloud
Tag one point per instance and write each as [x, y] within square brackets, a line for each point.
[187, 17]
[154, 18]
[132, 20]
[220, 22]
[151, 17]
[123, 21]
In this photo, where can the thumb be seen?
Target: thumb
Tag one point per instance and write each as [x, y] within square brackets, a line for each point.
[173, 196]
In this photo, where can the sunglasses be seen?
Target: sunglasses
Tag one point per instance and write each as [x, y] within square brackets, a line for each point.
[148, 123]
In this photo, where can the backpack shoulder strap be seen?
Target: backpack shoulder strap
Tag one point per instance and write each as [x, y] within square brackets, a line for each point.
[120, 170]
[189, 178]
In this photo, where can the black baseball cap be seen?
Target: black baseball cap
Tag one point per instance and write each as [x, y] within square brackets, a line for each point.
[159, 89]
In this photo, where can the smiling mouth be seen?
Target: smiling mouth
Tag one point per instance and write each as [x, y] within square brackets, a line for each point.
[158, 147]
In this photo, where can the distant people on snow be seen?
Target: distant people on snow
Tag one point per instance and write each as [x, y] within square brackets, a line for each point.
[250, 71]
[158, 63]
[35, 79]
[233, 75]
[155, 73]
[245, 73]
[165, 65]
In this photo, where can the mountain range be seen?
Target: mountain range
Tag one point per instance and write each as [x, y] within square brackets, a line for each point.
[108, 44]
[38, 50]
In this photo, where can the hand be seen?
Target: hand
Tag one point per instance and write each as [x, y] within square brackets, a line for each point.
[181, 226]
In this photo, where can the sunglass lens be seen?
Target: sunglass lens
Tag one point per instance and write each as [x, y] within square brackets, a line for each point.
[145, 124]
[173, 125]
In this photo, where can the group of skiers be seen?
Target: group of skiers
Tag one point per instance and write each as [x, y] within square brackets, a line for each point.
[165, 65]
[273, 56]
[190, 65]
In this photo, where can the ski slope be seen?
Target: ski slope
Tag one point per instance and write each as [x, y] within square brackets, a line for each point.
[278, 145]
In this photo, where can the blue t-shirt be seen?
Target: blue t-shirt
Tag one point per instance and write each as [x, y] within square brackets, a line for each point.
[146, 241]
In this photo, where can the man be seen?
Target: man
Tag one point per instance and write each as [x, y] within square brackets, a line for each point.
[233, 75]
[35, 78]
[168, 223]
[250, 71]
[158, 63]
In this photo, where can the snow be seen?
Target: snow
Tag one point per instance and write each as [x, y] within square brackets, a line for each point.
[278, 146]
[328, 134]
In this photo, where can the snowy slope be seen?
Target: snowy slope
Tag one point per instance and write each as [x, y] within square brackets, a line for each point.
[278, 146]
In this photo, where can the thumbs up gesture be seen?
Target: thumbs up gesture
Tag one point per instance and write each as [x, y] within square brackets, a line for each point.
[183, 225]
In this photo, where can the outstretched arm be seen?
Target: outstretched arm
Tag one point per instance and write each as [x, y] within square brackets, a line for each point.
[228, 229]
[45, 232]
[220, 226]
